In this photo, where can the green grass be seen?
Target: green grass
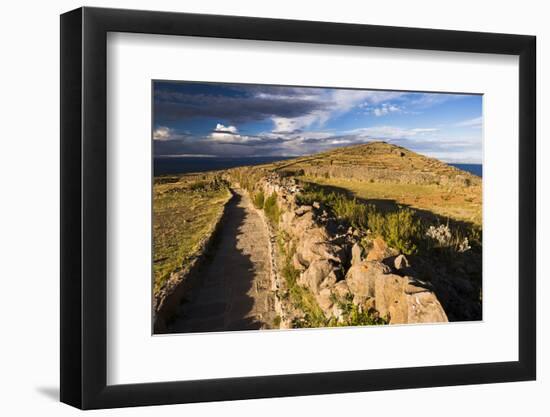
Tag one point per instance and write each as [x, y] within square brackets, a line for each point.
[184, 213]
[354, 315]
[258, 200]
[457, 203]
[300, 297]
[401, 227]
[304, 300]
[271, 209]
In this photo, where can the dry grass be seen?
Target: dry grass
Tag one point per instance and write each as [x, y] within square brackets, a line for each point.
[184, 213]
[387, 175]
[457, 203]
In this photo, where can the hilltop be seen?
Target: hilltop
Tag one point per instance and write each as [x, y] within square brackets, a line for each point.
[389, 176]
[378, 162]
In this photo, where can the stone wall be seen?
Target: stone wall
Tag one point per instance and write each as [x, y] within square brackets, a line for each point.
[334, 267]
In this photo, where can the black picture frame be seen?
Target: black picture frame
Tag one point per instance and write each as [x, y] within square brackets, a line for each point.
[84, 207]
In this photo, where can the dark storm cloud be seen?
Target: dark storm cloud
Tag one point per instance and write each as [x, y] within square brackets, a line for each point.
[236, 109]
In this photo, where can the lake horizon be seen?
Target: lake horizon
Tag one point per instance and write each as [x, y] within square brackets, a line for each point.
[186, 164]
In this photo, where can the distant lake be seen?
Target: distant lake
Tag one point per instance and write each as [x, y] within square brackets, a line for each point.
[476, 169]
[186, 164]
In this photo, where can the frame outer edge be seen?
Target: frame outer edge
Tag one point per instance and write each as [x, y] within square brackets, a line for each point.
[528, 208]
[94, 208]
[70, 213]
[83, 214]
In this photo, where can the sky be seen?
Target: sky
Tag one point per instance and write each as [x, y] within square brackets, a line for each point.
[238, 120]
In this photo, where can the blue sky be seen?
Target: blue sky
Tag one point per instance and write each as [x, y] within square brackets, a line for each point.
[238, 120]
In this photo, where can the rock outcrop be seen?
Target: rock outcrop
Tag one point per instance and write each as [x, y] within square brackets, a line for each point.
[333, 265]
[401, 298]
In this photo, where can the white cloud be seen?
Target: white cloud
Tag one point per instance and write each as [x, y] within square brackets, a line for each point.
[225, 129]
[476, 122]
[338, 101]
[288, 125]
[162, 133]
[424, 130]
[229, 134]
[385, 109]
[305, 97]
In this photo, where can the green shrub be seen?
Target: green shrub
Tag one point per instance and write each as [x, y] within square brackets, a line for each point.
[401, 229]
[215, 184]
[351, 211]
[353, 315]
[258, 200]
[271, 209]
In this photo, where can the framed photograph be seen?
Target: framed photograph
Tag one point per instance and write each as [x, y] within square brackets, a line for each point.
[258, 208]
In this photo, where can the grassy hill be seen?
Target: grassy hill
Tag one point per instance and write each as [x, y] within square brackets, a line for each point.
[380, 162]
[386, 176]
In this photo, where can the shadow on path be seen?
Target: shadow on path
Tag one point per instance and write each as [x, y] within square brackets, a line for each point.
[227, 297]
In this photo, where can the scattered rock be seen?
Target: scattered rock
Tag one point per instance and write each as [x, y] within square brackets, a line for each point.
[325, 301]
[318, 275]
[341, 289]
[312, 248]
[303, 210]
[360, 277]
[298, 263]
[401, 262]
[380, 250]
[403, 301]
[301, 224]
[356, 254]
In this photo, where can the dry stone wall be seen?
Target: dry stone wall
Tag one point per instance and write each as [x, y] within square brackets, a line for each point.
[333, 266]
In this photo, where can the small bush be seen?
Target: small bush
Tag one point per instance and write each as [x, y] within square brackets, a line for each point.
[215, 184]
[401, 229]
[351, 211]
[258, 200]
[459, 239]
[271, 209]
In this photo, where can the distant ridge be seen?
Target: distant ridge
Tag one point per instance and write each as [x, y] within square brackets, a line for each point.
[379, 161]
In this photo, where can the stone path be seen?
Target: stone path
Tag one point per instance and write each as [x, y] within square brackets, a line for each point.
[236, 285]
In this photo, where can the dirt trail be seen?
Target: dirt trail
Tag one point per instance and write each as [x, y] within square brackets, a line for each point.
[235, 291]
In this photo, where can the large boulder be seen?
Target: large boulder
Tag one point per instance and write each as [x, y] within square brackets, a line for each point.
[402, 299]
[319, 274]
[315, 245]
[360, 278]
[300, 225]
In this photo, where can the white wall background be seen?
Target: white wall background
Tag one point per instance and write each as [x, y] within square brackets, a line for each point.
[29, 226]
